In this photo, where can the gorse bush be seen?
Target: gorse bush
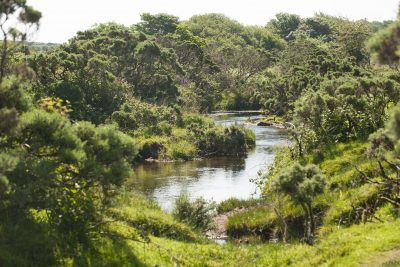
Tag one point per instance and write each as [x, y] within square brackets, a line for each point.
[197, 214]
[135, 114]
[302, 185]
[216, 141]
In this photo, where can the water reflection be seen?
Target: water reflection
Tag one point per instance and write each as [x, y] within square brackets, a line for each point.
[217, 178]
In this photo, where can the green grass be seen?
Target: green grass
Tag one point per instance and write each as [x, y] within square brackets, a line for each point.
[142, 214]
[122, 244]
[354, 246]
[342, 203]
[139, 233]
[259, 220]
[233, 203]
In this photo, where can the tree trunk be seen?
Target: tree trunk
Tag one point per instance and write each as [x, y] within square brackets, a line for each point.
[312, 223]
[283, 225]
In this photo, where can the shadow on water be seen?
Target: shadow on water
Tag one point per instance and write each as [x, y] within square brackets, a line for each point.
[214, 179]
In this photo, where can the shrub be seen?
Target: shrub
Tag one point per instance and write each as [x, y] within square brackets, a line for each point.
[134, 114]
[197, 214]
[181, 149]
[151, 148]
[220, 141]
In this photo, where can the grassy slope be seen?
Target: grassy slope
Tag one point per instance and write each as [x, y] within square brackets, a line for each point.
[360, 244]
[345, 190]
[370, 244]
[373, 244]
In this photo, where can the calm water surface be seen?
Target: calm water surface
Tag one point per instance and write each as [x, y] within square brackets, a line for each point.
[214, 179]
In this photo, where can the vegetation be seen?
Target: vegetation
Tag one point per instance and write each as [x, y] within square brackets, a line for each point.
[75, 118]
[197, 214]
[232, 203]
[301, 184]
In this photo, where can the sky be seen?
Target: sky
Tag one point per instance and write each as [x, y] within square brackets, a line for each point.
[63, 18]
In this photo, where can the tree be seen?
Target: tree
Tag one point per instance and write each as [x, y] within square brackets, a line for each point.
[301, 184]
[384, 147]
[159, 24]
[344, 108]
[66, 170]
[316, 27]
[284, 24]
[385, 44]
[352, 36]
[21, 15]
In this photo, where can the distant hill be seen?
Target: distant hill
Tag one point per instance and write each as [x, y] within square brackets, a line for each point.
[37, 46]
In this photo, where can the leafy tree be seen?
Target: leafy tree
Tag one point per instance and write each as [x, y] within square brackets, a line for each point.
[302, 184]
[384, 148]
[316, 27]
[217, 28]
[159, 24]
[134, 114]
[352, 36]
[154, 81]
[385, 44]
[284, 24]
[12, 36]
[343, 109]
[66, 170]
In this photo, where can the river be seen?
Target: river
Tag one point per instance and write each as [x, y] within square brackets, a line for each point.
[213, 179]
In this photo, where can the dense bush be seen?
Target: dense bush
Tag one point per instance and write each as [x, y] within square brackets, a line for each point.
[217, 141]
[198, 213]
[134, 114]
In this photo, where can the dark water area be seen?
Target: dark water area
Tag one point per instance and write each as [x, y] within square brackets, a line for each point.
[213, 179]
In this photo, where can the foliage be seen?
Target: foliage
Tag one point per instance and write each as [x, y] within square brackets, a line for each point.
[234, 140]
[135, 114]
[302, 185]
[385, 44]
[55, 105]
[16, 19]
[198, 213]
[234, 203]
[75, 118]
[284, 24]
[157, 24]
[384, 148]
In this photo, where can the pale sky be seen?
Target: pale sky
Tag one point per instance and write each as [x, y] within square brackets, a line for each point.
[63, 18]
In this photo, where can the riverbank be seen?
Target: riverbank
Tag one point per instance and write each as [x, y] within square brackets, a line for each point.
[217, 178]
[170, 243]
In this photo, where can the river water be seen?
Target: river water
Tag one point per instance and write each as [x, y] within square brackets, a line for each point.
[213, 179]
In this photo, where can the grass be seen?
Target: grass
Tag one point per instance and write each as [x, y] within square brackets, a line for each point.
[354, 246]
[142, 214]
[123, 244]
[233, 203]
[139, 233]
[259, 220]
[343, 202]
